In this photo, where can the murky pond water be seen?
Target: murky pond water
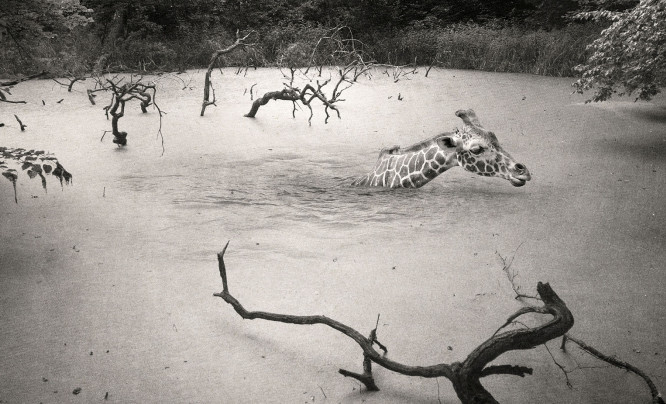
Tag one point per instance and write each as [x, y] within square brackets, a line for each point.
[124, 260]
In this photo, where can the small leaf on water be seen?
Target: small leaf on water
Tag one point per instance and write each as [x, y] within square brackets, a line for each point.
[10, 175]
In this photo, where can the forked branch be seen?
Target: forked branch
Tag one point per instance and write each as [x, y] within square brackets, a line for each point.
[511, 276]
[656, 395]
[72, 81]
[120, 94]
[241, 42]
[331, 49]
[464, 375]
[5, 87]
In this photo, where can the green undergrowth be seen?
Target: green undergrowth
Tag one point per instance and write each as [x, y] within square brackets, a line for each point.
[460, 46]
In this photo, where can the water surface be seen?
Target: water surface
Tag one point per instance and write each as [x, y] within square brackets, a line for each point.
[124, 260]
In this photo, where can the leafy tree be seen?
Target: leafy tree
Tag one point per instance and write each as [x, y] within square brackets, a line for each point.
[26, 22]
[630, 55]
[550, 13]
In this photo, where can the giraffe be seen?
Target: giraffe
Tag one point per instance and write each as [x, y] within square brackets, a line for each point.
[472, 147]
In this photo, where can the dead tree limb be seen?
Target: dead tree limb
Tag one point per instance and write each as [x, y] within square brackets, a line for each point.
[330, 49]
[100, 85]
[22, 79]
[511, 276]
[284, 94]
[119, 138]
[3, 97]
[465, 376]
[656, 395]
[21, 124]
[72, 80]
[307, 94]
[121, 93]
[9, 84]
[91, 96]
[208, 84]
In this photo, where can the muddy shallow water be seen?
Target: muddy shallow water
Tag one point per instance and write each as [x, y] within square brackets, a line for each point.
[107, 284]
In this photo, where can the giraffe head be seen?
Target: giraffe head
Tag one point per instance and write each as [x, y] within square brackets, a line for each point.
[478, 151]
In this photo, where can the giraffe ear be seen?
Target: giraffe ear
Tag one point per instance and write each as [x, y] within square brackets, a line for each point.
[448, 142]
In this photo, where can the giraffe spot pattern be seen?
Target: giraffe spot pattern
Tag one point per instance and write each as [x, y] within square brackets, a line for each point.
[440, 159]
[430, 154]
[422, 164]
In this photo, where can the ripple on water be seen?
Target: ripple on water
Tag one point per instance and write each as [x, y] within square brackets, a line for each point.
[290, 190]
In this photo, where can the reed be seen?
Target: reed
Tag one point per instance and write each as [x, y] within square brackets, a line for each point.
[491, 48]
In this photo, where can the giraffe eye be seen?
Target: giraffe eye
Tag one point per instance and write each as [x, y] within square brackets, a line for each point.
[476, 149]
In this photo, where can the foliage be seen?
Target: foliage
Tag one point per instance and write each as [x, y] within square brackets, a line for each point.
[630, 55]
[491, 47]
[25, 19]
[29, 24]
[36, 163]
[168, 35]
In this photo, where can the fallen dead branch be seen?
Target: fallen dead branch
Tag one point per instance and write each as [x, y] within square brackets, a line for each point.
[614, 361]
[299, 60]
[305, 96]
[6, 86]
[72, 81]
[22, 79]
[3, 97]
[21, 124]
[465, 376]
[241, 42]
[656, 395]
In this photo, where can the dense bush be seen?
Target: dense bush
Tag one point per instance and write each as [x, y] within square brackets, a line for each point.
[461, 46]
[492, 48]
[151, 35]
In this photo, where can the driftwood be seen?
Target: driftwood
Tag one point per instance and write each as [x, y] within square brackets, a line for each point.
[305, 96]
[656, 395]
[208, 84]
[614, 361]
[21, 124]
[7, 85]
[72, 81]
[347, 75]
[465, 376]
[3, 97]
[22, 79]
[343, 52]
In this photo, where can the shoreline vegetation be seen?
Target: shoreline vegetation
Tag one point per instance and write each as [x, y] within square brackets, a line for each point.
[489, 47]
[608, 46]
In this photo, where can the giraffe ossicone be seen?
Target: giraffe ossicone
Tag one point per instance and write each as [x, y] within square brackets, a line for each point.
[472, 147]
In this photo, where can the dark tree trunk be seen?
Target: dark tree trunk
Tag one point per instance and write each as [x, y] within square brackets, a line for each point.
[116, 32]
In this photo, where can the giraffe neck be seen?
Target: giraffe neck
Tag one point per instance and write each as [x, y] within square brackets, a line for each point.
[411, 167]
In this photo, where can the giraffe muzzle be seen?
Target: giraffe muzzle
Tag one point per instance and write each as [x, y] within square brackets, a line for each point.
[520, 175]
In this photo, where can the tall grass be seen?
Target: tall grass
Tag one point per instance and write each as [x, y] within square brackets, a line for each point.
[489, 47]
[492, 48]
